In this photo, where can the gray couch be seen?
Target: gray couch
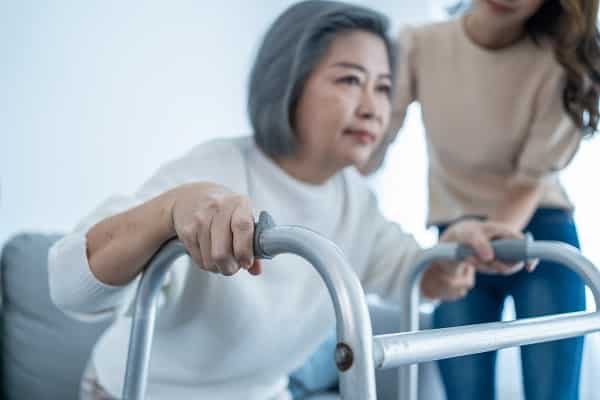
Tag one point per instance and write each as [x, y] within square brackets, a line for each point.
[44, 352]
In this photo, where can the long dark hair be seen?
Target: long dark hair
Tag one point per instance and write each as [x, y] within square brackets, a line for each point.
[573, 28]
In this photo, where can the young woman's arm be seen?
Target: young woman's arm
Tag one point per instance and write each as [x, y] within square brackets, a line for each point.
[551, 144]
[519, 205]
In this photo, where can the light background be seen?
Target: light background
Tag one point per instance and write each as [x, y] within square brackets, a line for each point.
[95, 95]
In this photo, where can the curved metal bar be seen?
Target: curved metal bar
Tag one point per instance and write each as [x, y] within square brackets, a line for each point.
[558, 252]
[570, 257]
[144, 316]
[354, 353]
[408, 376]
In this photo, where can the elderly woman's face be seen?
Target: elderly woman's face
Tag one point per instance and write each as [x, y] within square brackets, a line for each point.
[344, 108]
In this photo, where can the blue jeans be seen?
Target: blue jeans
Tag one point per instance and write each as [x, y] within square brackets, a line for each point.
[550, 370]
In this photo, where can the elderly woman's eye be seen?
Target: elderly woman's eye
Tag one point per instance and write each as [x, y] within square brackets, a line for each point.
[349, 80]
[386, 89]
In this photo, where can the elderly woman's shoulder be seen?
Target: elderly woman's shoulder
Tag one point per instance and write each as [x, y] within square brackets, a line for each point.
[221, 145]
[220, 153]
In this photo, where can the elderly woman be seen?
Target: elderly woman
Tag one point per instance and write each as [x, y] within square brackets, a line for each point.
[319, 102]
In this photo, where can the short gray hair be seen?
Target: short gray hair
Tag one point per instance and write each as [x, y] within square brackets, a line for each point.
[292, 47]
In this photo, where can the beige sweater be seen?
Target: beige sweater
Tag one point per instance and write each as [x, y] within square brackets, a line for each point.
[493, 118]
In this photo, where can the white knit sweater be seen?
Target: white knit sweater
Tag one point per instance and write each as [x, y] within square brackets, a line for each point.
[235, 337]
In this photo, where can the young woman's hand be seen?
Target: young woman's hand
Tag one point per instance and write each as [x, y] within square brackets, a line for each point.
[478, 235]
[216, 226]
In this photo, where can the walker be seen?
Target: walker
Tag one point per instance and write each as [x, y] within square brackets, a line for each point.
[358, 352]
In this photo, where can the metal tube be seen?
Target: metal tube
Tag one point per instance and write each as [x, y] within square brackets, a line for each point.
[571, 258]
[408, 376]
[354, 352]
[144, 315]
[395, 350]
[558, 252]
[354, 355]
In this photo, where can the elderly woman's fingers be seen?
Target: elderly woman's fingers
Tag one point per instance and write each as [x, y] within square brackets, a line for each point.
[203, 221]
[256, 267]
[242, 228]
[447, 281]
[221, 239]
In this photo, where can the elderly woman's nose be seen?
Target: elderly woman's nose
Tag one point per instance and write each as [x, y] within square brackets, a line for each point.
[367, 108]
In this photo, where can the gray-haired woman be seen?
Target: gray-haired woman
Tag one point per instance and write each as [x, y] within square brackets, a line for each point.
[319, 102]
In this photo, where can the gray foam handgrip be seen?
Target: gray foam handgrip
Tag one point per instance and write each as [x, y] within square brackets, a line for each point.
[505, 250]
[265, 221]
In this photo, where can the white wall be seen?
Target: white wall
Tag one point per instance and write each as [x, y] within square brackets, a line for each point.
[95, 95]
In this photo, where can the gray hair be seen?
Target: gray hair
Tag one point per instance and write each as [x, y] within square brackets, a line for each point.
[292, 47]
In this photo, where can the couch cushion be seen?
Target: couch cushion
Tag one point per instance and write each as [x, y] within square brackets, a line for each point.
[44, 351]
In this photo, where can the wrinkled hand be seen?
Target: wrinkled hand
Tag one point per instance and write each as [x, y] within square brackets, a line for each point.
[216, 226]
[447, 281]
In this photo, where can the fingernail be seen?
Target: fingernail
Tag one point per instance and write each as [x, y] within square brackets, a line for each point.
[519, 265]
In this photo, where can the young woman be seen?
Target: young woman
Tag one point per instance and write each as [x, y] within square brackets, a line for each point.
[507, 92]
[319, 101]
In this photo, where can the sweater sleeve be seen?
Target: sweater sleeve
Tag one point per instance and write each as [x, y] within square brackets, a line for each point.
[553, 138]
[74, 288]
[405, 88]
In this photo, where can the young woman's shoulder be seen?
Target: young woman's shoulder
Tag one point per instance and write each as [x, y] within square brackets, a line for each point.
[434, 39]
[427, 31]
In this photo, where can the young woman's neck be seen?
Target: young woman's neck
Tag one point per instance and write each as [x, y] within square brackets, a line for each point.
[306, 169]
[489, 36]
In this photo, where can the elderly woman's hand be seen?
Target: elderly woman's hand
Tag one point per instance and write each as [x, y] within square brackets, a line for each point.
[447, 281]
[216, 226]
